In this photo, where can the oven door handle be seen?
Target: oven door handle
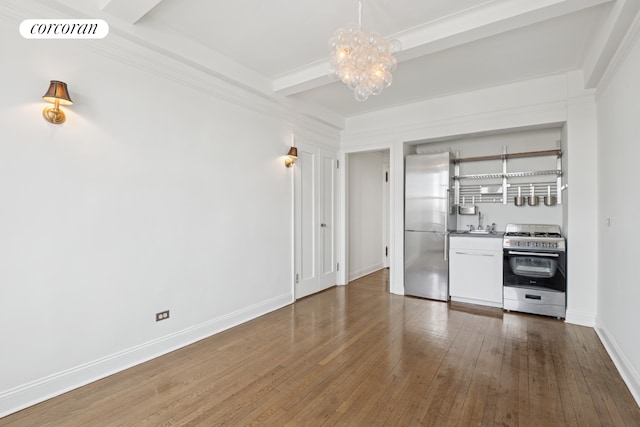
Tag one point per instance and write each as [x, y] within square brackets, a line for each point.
[534, 254]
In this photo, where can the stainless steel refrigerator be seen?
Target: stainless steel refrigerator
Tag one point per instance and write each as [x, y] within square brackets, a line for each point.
[428, 218]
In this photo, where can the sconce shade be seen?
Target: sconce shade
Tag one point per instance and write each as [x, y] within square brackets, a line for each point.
[58, 91]
[57, 95]
[292, 155]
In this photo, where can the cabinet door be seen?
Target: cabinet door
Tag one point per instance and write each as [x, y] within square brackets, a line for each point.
[476, 276]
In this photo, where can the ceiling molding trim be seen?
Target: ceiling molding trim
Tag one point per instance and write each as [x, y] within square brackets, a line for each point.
[168, 43]
[306, 78]
[203, 80]
[608, 40]
[217, 85]
[132, 51]
[629, 40]
[483, 21]
[128, 10]
[553, 112]
[467, 26]
[10, 15]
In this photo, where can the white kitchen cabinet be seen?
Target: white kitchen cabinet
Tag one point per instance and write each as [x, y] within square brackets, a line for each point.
[475, 269]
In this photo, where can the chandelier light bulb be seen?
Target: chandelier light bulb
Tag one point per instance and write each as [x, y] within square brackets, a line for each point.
[362, 61]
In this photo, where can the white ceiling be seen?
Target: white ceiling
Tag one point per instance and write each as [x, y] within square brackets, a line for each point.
[279, 47]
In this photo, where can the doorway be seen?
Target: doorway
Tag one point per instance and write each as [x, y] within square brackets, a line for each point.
[368, 213]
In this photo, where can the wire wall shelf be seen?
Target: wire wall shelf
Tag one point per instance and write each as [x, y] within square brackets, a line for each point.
[508, 175]
[500, 187]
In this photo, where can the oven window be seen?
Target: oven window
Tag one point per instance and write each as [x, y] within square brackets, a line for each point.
[533, 266]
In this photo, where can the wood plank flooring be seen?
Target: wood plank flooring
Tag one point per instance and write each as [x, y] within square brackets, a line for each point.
[359, 356]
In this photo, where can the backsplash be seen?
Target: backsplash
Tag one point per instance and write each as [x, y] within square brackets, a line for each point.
[506, 214]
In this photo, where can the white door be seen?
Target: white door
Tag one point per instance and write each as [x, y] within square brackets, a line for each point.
[328, 197]
[315, 174]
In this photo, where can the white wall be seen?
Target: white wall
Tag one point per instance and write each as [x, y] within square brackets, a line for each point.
[365, 213]
[619, 204]
[582, 203]
[158, 192]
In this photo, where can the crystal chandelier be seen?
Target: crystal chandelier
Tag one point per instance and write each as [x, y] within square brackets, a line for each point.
[363, 61]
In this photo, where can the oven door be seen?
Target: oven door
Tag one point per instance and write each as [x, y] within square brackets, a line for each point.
[535, 270]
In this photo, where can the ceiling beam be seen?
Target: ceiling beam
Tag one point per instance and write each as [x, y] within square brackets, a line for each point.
[608, 40]
[129, 11]
[467, 26]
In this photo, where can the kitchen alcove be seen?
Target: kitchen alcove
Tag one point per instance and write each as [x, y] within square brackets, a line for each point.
[507, 186]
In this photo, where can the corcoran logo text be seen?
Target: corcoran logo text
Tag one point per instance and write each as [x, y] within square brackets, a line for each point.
[64, 28]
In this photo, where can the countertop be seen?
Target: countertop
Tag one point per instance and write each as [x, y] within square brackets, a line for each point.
[465, 233]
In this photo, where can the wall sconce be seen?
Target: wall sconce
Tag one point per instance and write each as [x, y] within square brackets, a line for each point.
[57, 94]
[292, 155]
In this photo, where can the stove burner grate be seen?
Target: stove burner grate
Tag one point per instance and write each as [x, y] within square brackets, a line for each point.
[544, 234]
[518, 234]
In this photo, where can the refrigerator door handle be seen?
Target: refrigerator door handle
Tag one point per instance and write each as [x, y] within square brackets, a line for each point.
[446, 247]
[446, 227]
[446, 211]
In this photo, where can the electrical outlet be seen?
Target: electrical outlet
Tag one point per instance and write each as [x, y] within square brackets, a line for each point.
[162, 315]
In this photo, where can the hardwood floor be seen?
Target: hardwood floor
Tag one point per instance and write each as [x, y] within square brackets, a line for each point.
[357, 355]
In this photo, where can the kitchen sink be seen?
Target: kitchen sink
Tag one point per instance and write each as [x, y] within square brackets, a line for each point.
[476, 232]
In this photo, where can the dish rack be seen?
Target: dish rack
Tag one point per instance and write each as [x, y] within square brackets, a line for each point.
[509, 187]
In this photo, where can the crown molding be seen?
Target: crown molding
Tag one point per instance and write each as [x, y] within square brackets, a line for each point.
[630, 40]
[551, 113]
[133, 51]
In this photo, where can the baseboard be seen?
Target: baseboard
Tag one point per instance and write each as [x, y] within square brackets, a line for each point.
[365, 271]
[54, 385]
[628, 373]
[582, 319]
[477, 302]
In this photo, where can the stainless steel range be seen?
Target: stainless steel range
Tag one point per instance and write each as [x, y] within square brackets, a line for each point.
[534, 270]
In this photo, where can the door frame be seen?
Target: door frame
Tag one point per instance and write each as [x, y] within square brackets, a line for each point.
[397, 151]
